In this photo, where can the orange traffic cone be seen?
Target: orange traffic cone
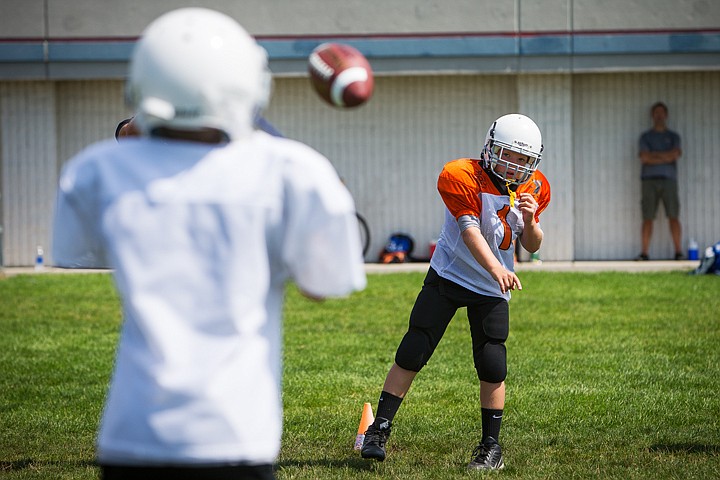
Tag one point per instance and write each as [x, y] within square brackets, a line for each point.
[365, 421]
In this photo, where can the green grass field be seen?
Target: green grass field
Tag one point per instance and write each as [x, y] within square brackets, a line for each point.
[611, 375]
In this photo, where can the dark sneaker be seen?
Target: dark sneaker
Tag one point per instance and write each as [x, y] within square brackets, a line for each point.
[375, 438]
[642, 258]
[679, 256]
[487, 456]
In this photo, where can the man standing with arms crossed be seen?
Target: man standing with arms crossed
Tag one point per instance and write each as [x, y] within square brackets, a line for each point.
[659, 151]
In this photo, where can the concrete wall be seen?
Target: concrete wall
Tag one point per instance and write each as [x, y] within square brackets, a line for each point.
[93, 18]
[81, 39]
[390, 151]
[586, 71]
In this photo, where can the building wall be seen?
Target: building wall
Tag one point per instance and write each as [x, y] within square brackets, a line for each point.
[548, 100]
[91, 18]
[610, 111]
[585, 70]
[28, 148]
[84, 39]
[390, 151]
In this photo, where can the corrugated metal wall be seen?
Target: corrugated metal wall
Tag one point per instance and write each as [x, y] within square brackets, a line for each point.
[390, 151]
[89, 111]
[547, 100]
[42, 124]
[28, 163]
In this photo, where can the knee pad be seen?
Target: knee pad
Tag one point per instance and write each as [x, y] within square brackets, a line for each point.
[491, 362]
[414, 350]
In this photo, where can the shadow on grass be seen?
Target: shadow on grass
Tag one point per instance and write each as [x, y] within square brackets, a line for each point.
[685, 448]
[14, 465]
[352, 463]
[25, 463]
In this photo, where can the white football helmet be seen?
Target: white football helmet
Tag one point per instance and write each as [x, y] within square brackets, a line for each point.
[197, 68]
[519, 134]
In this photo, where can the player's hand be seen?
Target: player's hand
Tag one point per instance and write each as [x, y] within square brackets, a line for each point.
[527, 205]
[506, 279]
[130, 129]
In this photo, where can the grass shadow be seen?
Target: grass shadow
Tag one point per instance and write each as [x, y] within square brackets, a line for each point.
[685, 448]
[25, 463]
[351, 463]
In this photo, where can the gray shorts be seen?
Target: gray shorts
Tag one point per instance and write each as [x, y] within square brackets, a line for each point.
[656, 189]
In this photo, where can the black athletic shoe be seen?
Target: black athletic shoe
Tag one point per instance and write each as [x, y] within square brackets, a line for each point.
[375, 438]
[642, 258]
[487, 456]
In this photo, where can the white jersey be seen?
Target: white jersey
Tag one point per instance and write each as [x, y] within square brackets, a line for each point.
[452, 259]
[202, 239]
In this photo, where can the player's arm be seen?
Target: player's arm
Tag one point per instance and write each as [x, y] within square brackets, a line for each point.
[660, 158]
[321, 247]
[532, 235]
[77, 241]
[481, 252]
[533, 198]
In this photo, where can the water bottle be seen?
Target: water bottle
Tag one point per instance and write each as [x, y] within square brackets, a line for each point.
[535, 258]
[40, 259]
[692, 250]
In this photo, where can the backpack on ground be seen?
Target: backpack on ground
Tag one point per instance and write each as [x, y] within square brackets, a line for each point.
[398, 249]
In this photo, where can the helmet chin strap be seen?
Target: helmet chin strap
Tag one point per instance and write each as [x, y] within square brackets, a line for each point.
[511, 193]
[487, 161]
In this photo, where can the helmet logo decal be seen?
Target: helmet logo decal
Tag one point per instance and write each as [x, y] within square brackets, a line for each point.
[187, 112]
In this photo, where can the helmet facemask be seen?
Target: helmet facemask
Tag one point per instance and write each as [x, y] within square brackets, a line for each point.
[505, 169]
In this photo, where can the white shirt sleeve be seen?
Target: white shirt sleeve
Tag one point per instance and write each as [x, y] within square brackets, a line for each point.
[322, 248]
[467, 221]
[77, 240]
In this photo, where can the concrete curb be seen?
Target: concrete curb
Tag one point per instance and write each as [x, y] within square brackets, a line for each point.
[379, 268]
[587, 266]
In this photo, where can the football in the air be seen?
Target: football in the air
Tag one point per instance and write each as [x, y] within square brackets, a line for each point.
[341, 75]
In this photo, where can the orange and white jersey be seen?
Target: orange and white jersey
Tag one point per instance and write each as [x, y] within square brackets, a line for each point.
[467, 189]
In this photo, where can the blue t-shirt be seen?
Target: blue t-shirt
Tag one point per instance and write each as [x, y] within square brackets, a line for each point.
[654, 141]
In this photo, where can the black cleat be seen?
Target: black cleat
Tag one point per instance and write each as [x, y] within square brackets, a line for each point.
[487, 456]
[375, 438]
